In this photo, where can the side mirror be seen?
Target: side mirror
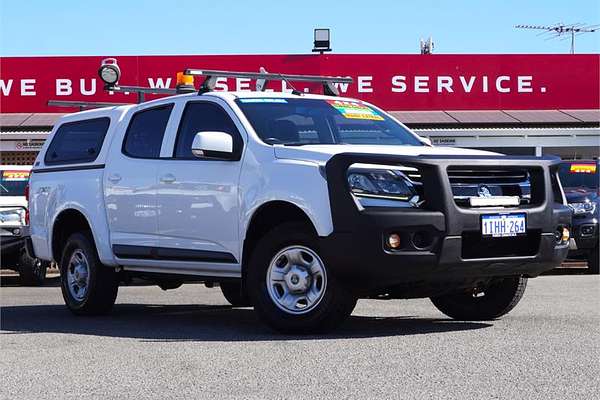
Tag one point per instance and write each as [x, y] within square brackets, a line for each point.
[210, 144]
[426, 140]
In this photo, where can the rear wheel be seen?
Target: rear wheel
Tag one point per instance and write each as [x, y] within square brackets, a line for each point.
[32, 271]
[491, 302]
[88, 287]
[593, 261]
[232, 291]
[290, 286]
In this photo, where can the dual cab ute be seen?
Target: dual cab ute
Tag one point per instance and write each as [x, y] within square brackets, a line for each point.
[296, 204]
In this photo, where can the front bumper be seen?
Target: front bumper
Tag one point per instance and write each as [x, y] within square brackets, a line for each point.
[12, 239]
[454, 250]
[584, 234]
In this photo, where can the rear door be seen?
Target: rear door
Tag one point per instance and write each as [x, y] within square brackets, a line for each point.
[198, 198]
[130, 182]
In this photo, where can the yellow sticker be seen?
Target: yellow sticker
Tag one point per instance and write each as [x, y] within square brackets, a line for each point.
[352, 110]
[15, 175]
[583, 168]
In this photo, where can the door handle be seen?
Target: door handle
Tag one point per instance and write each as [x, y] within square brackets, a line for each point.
[168, 178]
[114, 178]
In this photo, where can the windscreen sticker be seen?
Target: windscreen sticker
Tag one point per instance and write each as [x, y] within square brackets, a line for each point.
[261, 100]
[15, 176]
[583, 168]
[352, 110]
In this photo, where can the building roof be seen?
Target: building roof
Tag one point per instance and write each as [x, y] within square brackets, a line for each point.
[35, 121]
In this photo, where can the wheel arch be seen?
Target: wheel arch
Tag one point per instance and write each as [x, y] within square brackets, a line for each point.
[268, 216]
[67, 222]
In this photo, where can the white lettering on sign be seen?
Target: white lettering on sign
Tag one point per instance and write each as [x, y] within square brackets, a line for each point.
[499, 87]
[485, 84]
[27, 87]
[64, 87]
[159, 83]
[467, 86]
[341, 87]
[421, 84]
[221, 84]
[242, 84]
[444, 82]
[83, 90]
[5, 87]
[524, 84]
[399, 84]
[364, 84]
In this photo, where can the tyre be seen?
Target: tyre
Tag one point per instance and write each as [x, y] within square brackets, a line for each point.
[32, 271]
[497, 299]
[88, 287]
[232, 291]
[593, 261]
[289, 284]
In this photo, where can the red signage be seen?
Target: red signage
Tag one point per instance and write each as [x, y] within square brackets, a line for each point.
[394, 82]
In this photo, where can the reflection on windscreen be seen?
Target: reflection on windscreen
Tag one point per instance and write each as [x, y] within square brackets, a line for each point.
[574, 175]
[12, 183]
[312, 121]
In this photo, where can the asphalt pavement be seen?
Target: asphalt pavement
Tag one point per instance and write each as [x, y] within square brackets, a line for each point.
[188, 343]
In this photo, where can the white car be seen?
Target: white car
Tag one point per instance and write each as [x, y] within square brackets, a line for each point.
[14, 227]
[297, 204]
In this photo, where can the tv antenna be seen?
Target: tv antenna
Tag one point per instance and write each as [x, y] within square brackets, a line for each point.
[562, 31]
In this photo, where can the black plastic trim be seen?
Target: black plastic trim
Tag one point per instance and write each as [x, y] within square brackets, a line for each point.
[71, 168]
[166, 253]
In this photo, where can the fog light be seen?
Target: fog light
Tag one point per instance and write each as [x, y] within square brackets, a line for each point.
[565, 235]
[16, 231]
[394, 241]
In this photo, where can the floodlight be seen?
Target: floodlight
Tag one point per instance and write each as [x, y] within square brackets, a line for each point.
[322, 41]
[109, 71]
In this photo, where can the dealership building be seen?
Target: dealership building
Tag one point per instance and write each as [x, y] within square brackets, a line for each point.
[514, 104]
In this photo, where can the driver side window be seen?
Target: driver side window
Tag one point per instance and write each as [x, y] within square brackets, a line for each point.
[204, 116]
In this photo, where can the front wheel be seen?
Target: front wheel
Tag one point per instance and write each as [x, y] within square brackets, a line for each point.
[478, 304]
[88, 287]
[290, 286]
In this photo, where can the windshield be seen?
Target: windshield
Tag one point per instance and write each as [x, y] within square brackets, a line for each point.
[12, 183]
[579, 174]
[311, 121]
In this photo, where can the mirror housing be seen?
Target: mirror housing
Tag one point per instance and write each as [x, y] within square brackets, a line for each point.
[212, 144]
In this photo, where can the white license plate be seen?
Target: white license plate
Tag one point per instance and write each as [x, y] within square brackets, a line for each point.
[503, 225]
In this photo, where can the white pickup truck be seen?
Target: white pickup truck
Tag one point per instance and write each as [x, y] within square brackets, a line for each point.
[296, 204]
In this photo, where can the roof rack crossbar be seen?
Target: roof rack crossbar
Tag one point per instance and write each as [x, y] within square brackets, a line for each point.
[268, 76]
[83, 104]
[264, 77]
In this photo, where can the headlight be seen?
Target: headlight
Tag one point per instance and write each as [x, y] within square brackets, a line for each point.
[12, 216]
[583, 208]
[382, 185]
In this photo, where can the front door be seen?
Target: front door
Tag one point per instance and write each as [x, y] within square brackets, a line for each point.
[198, 198]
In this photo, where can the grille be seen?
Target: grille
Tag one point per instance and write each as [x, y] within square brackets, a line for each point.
[469, 182]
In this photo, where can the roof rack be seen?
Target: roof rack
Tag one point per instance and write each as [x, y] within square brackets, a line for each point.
[110, 73]
[263, 77]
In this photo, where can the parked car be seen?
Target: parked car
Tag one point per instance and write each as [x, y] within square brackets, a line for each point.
[14, 228]
[581, 182]
[297, 204]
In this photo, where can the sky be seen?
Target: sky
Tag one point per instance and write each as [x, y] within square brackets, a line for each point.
[134, 27]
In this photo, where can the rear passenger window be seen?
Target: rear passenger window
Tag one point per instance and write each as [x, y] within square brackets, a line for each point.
[77, 142]
[145, 132]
